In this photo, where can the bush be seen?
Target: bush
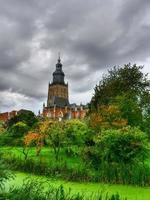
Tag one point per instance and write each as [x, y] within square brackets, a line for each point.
[19, 129]
[118, 157]
[75, 131]
[125, 145]
[27, 117]
[8, 140]
[4, 173]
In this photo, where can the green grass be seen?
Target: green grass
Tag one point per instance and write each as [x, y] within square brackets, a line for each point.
[73, 168]
[131, 192]
[46, 154]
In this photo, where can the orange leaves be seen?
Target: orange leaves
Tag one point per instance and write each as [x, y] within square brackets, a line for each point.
[43, 126]
[34, 138]
[95, 120]
[31, 137]
[106, 117]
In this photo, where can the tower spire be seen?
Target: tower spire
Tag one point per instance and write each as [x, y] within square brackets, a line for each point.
[59, 57]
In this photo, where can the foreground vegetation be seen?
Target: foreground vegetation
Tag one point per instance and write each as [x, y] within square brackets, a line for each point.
[111, 145]
[73, 168]
[35, 188]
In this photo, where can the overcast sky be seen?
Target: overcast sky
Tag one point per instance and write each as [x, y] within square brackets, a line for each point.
[92, 36]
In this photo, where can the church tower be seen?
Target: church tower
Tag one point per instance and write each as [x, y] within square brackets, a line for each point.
[58, 106]
[58, 89]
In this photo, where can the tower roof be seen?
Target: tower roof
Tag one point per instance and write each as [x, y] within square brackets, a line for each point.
[58, 74]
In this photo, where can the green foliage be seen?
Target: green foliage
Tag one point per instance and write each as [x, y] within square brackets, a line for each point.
[19, 129]
[75, 131]
[128, 87]
[145, 126]
[118, 156]
[108, 155]
[56, 137]
[4, 173]
[1, 127]
[136, 173]
[35, 190]
[5, 139]
[130, 109]
[27, 117]
[121, 80]
[124, 145]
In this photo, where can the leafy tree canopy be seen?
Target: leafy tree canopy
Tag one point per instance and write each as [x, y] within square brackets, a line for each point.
[19, 129]
[126, 87]
[124, 145]
[27, 117]
[122, 80]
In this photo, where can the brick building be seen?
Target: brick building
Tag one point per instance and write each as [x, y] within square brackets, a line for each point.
[58, 106]
[7, 115]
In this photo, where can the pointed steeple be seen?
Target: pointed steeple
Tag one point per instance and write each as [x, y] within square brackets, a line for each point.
[59, 60]
[58, 75]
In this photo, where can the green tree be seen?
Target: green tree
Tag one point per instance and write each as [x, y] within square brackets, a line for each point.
[27, 117]
[130, 109]
[75, 131]
[19, 129]
[125, 145]
[56, 137]
[129, 87]
[145, 126]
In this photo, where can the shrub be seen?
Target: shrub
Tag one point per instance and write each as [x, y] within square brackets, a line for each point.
[75, 131]
[18, 129]
[4, 173]
[8, 140]
[124, 145]
[118, 157]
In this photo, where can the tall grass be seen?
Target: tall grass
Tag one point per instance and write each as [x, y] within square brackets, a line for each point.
[138, 174]
[39, 190]
[135, 174]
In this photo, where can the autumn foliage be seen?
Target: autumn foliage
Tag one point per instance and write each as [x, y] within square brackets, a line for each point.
[106, 117]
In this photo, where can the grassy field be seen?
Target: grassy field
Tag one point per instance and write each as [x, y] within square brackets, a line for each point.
[46, 154]
[131, 192]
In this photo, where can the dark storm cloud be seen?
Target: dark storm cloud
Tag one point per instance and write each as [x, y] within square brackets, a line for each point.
[91, 36]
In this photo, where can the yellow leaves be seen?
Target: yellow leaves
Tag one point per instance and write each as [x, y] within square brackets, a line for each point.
[106, 117]
[43, 126]
[32, 137]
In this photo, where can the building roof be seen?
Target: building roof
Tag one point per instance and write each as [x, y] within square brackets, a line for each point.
[58, 75]
[60, 102]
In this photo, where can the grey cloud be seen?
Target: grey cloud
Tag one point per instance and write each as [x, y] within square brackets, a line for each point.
[91, 35]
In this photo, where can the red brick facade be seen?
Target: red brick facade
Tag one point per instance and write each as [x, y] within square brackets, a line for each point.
[7, 115]
[66, 113]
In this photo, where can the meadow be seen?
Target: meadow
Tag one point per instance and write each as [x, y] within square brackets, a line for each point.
[87, 189]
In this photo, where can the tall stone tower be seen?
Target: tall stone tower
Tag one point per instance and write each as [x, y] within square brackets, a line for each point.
[58, 89]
